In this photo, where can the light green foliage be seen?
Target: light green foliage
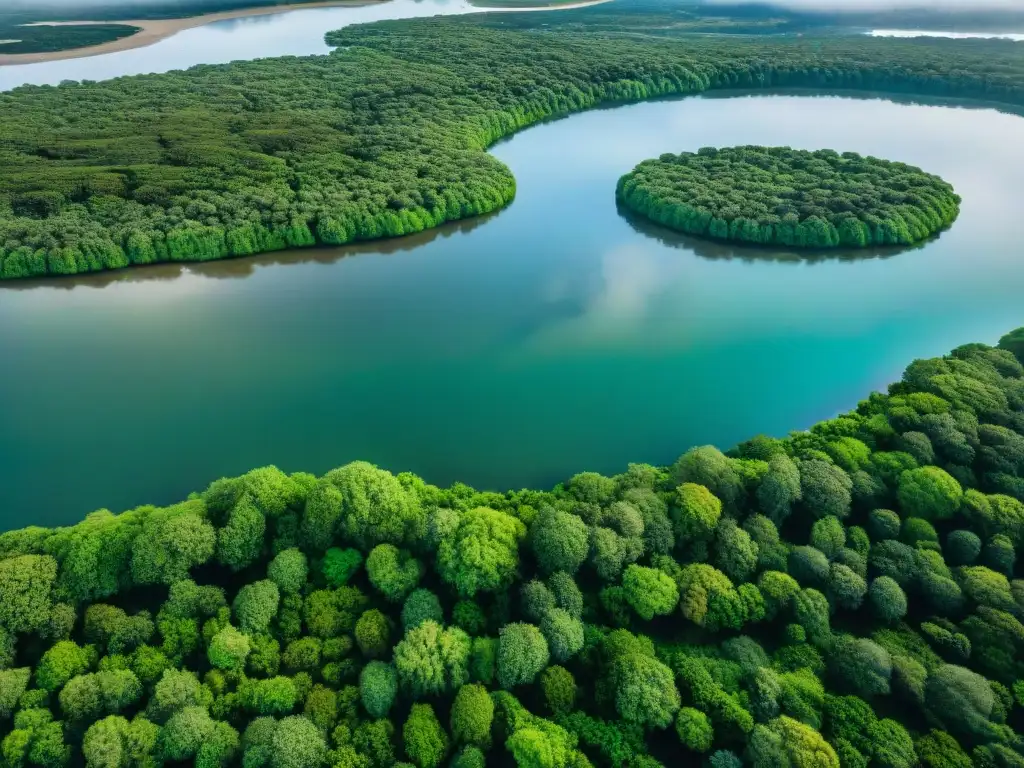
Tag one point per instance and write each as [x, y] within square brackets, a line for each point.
[172, 542]
[915, 531]
[811, 610]
[273, 696]
[929, 493]
[778, 590]
[482, 553]
[91, 696]
[114, 742]
[303, 655]
[522, 654]
[378, 685]
[694, 729]
[25, 586]
[471, 716]
[62, 662]
[888, 601]
[422, 605]
[431, 660]
[255, 606]
[289, 571]
[649, 591]
[375, 508]
[986, 587]
[240, 540]
[645, 690]
[735, 552]
[394, 572]
[567, 594]
[297, 743]
[339, 565]
[469, 757]
[426, 742]
[563, 632]
[828, 536]
[695, 513]
[559, 540]
[535, 600]
[331, 612]
[709, 467]
[228, 649]
[176, 690]
[13, 683]
[373, 634]
[893, 746]
[787, 741]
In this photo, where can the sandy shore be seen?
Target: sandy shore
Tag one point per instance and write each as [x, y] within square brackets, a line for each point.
[154, 30]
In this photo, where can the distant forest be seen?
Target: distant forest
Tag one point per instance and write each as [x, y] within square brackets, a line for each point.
[385, 137]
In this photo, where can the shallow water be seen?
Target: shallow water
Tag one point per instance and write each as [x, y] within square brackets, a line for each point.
[552, 337]
[295, 33]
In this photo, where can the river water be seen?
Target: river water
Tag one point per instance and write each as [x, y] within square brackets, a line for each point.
[295, 33]
[553, 337]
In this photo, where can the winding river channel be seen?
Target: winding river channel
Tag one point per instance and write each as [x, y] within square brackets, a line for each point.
[555, 336]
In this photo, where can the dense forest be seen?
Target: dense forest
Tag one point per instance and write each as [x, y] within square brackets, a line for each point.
[385, 137]
[795, 198]
[22, 39]
[844, 597]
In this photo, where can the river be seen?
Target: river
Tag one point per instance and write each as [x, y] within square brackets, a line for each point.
[295, 33]
[553, 337]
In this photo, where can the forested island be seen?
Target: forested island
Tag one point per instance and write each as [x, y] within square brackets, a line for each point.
[385, 137]
[845, 596]
[795, 198]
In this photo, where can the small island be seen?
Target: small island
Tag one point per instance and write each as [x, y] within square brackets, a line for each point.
[795, 198]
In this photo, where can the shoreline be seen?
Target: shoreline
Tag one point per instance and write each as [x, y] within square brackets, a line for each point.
[151, 31]
[154, 30]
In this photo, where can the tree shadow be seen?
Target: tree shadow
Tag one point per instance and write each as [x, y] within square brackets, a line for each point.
[721, 250]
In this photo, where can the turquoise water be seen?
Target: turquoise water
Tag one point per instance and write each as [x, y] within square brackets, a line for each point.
[553, 337]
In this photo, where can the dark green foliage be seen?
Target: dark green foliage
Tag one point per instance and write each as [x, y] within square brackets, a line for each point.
[826, 204]
[559, 540]
[736, 657]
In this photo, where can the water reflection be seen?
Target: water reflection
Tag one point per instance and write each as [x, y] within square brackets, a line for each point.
[246, 266]
[719, 250]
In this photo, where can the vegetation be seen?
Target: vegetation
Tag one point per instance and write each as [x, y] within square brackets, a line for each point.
[778, 195]
[384, 137]
[845, 596]
[22, 39]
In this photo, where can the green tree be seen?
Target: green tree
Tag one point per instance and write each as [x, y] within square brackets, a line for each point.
[256, 605]
[431, 660]
[694, 729]
[426, 742]
[288, 570]
[378, 686]
[26, 582]
[482, 553]
[63, 661]
[228, 649]
[929, 493]
[471, 716]
[559, 540]
[522, 654]
[888, 601]
[297, 743]
[394, 572]
[559, 688]
[563, 632]
[709, 467]
[649, 591]
[375, 508]
[373, 634]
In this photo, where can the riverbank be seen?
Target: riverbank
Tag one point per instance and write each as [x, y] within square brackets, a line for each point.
[152, 31]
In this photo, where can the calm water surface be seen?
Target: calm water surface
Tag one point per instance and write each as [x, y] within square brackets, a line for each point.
[295, 33]
[553, 337]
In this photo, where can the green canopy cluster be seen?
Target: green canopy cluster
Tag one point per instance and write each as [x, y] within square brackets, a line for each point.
[846, 596]
[782, 196]
[385, 137]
